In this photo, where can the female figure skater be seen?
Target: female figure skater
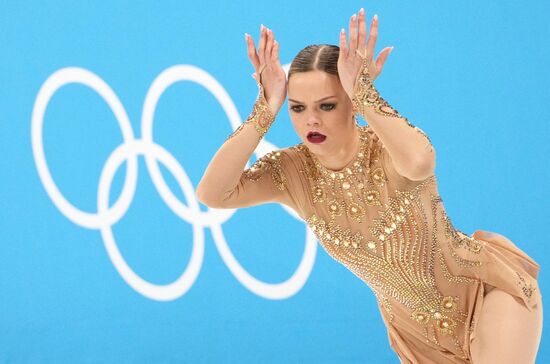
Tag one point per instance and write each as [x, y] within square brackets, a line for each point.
[370, 195]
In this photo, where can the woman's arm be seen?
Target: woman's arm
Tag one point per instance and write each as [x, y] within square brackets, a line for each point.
[410, 150]
[224, 183]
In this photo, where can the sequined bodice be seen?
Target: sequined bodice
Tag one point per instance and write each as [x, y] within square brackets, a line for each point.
[390, 231]
[389, 235]
[394, 234]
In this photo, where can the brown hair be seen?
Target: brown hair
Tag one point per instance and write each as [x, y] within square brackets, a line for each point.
[322, 57]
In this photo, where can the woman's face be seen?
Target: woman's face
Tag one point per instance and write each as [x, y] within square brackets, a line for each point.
[318, 104]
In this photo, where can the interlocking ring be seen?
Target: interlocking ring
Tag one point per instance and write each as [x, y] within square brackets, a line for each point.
[128, 151]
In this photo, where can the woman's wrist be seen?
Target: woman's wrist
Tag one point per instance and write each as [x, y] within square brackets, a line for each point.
[261, 117]
[366, 97]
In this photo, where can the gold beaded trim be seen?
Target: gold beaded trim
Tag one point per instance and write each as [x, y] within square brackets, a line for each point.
[527, 288]
[447, 274]
[384, 302]
[435, 200]
[455, 241]
[270, 161]
[330, 231]
[357, 162]
[346, 191]
[261, 116]
[470, 243]
[365, 95]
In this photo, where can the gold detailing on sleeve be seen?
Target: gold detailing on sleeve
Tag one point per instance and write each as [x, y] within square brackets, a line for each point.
[271, 162]
[365, 96]
[261, 116]
[237, 131]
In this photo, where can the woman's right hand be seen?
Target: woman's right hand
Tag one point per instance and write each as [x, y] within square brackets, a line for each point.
[266, 60]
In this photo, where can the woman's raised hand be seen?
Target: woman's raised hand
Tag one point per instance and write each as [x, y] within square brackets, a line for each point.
[349, 59]
[268, 70]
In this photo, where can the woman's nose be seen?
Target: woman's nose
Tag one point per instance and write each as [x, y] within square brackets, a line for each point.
[313, 121]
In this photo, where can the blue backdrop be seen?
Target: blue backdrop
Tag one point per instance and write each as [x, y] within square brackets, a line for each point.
[152, 279]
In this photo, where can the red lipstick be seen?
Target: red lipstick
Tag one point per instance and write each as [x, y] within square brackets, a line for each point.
[315, 137]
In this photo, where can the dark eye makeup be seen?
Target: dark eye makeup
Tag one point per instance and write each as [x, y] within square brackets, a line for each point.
[325, 107]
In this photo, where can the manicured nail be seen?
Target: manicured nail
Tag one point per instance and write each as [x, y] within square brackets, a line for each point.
[245, 36]
[261, 27]
[353, 17]
[376, 17]
[342, 31]
[361, 11]
[391, 49]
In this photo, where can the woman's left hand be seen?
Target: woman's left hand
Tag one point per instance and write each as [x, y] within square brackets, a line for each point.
[349, 62]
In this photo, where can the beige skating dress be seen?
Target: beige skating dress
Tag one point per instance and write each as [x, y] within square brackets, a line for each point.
[394, 234]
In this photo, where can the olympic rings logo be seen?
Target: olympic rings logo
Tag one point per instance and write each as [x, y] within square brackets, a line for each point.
[128, 151]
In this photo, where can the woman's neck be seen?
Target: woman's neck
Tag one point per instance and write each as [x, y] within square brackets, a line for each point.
[338, 160]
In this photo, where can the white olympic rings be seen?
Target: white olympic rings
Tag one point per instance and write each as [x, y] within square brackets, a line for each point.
[128, 151]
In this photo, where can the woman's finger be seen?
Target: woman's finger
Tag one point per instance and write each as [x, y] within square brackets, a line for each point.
[251, 50]
[352, 34]
[275, 53]
[261, 47]
[343, 48]
[361, 40]
[382, 58]
[373, 35]
[269, 45]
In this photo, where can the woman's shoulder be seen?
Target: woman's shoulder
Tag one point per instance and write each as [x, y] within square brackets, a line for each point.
[380, 156]
[373, 141]
[293, 154]
[284, 160]
[295, 161]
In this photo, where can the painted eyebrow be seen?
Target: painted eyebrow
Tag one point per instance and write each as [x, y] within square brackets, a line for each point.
[324, 98]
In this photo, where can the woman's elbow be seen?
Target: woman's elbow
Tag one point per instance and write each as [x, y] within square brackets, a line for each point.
[424, 168]
[203, 197]
[207, 199]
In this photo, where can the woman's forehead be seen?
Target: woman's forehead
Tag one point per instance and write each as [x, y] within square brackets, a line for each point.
[313, 85]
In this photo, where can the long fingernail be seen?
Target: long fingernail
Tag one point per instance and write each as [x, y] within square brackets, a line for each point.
[361, 11]
[376, 17]
[261, 27]
[353, 17]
